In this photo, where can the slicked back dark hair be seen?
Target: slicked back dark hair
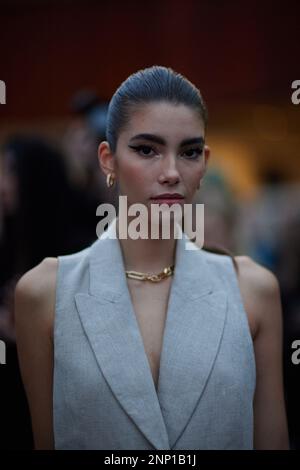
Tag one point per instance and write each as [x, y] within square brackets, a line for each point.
[153, 84]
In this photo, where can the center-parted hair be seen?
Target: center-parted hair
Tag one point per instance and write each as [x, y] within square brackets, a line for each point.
[153, 84]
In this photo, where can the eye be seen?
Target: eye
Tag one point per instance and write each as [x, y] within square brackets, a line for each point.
[143, 150]
[193, 153]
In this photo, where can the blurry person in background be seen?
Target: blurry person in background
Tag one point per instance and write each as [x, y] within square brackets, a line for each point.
[288, 273]
[41, 212]
[33, 193]
[220, 212]
[265, 217]
[80, 144]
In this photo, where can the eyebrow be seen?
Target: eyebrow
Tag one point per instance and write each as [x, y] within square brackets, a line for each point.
[159, 140]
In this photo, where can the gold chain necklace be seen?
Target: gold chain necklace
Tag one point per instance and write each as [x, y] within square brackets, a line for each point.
[151, 277]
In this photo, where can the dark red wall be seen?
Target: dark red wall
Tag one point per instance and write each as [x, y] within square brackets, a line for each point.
[234, 51]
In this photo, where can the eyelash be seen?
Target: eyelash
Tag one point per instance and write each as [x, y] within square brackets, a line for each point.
[138, 148]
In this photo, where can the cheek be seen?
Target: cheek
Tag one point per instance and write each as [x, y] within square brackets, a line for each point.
[192, 175]
[200, 173]
[134, 177]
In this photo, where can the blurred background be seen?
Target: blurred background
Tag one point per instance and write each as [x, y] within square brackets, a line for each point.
[62, 61]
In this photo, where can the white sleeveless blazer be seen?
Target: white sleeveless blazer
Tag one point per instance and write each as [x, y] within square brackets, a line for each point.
[103, 392]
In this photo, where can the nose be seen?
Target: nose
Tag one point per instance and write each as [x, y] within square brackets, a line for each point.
[169, 173]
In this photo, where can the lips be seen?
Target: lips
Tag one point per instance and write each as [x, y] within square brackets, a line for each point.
[168, 198]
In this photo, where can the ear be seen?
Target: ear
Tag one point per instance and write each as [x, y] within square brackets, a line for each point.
[206, 158]
[206, 153]
[106, 159]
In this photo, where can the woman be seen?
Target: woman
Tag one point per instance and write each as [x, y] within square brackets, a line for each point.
[115, 361]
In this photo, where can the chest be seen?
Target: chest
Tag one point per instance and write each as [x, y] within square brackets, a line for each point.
[150, 305]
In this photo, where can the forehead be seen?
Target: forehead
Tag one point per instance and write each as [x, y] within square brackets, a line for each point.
[172, 121]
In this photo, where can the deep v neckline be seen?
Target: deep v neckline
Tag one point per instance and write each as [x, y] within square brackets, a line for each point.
[141, 326]
[171, 298]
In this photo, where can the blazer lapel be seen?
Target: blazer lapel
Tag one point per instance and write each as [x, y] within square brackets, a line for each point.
[193, 330]
[110, 324]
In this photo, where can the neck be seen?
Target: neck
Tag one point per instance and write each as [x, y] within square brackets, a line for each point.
[148, 255]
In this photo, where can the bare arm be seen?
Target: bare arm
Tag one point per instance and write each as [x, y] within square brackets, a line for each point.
[34, 316]
[261, 295]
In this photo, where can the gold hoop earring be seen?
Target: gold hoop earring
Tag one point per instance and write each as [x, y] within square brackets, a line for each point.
[110, 180]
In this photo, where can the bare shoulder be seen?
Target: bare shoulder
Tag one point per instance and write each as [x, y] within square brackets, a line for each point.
[36, 282]
[34, 322]
[261, 279]
[259, 289]
[35, 292]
